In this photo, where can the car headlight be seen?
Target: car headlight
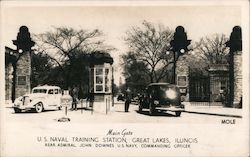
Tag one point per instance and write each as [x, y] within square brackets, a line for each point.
[171, 94]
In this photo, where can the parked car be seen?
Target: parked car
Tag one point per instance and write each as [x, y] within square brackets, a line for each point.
[41, 98]
[121, 97]
[161, 96]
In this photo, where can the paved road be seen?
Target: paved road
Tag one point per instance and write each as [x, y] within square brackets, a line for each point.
[116, 115]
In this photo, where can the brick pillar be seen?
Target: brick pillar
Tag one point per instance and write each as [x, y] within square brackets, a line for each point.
[23, 74]
[237, 77]
[182, 77]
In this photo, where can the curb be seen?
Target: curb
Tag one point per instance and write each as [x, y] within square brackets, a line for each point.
[214, 114]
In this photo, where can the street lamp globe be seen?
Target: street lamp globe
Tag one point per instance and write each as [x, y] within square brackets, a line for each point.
[20, 51]
[182, 51]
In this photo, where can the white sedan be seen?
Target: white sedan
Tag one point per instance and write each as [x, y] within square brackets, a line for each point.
[41, 98]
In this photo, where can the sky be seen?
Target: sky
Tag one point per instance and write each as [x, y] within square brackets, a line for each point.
[114, 21]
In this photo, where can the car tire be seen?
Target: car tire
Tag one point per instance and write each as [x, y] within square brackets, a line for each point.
[151, 108]
[17, 110]
[39, 107]
[178, 113]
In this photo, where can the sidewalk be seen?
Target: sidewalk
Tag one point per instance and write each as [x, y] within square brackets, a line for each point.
[212, 110]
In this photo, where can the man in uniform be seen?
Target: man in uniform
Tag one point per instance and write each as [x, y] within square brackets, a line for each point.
[74, 95]
[127, 99]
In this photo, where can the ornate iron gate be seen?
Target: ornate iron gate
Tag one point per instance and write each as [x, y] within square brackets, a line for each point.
[199, 89]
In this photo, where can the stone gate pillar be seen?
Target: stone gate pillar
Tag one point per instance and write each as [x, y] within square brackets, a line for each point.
[235, 67]
[182, 77]
[237, 78]
[23, 73]
[22, 65]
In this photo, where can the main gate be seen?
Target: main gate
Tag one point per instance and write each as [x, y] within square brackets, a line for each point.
[199, 89]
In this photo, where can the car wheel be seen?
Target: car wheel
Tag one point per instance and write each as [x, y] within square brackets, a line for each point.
[151, 108]
[178, 113]
[39, 107]
[17, 110]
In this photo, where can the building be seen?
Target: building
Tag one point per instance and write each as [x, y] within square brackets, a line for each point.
[101, 80]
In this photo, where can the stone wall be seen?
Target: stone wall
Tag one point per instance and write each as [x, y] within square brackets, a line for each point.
[182, 72]
[216, 87]
[23, 74]
[237, 77]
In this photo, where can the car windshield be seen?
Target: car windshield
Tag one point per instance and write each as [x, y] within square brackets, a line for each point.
[39, 90]
[159, 91]
[162, 87]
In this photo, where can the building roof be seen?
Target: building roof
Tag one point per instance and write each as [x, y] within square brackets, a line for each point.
[99, 57]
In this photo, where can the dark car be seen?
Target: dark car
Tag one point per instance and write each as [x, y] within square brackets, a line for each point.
[120, 97]
[163, 96]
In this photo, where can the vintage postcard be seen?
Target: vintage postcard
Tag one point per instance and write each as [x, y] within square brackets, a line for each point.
[124, 78]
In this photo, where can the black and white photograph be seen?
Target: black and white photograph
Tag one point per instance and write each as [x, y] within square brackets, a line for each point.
[124, 78]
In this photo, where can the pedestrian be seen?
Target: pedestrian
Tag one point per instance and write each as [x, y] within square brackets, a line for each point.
[127, 99]
[74, 95]
[91, 99]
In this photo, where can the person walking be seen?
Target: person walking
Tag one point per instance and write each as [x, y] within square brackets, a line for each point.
[127, 99]
[74, 95]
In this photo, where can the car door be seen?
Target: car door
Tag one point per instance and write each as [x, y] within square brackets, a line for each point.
[51, 98]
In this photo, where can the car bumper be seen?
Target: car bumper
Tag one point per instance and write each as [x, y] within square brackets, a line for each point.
[171, 108]
[22, 107]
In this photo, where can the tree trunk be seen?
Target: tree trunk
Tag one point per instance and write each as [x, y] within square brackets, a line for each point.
[68, 83]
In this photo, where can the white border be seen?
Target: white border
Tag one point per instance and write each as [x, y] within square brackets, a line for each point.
[244, 130]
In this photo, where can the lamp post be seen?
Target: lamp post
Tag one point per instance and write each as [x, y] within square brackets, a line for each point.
[179, 47]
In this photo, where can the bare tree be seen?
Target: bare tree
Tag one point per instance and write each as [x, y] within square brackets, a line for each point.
[149, 44]
[136, 73]
[64, 45]
[209, 50]
[213, 49]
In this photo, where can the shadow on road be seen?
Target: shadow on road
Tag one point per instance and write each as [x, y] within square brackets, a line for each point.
[123, 111]
[84, 108]
[158, 113]
[32, 112]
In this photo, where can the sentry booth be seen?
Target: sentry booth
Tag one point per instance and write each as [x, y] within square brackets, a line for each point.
[100, 81]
